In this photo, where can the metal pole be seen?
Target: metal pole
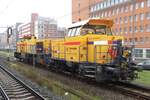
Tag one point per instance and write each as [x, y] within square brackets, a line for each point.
[9, 33]
[8, 49]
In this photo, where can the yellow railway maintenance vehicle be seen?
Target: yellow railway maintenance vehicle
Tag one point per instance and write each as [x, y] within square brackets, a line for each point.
[89, 50]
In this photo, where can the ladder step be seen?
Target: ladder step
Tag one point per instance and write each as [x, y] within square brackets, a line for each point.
[90, 76]
[89, 71]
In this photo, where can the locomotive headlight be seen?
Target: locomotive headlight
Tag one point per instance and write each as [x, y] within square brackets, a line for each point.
[122, 41]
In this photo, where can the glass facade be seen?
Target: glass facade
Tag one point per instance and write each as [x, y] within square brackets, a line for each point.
[138, 53]
[148, 53]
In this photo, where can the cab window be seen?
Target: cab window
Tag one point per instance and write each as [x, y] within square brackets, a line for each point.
[69, 32]
[78, 31]
[85, 31]
[73, 32]
[96, 29]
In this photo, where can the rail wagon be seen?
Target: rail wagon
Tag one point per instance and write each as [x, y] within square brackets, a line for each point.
[89, 49]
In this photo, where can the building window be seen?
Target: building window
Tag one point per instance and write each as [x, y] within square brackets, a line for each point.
[142, 4]
[116, 1]
[138, 53]
[97, 7]
[109, 13]
[91, 9]
[105, 14]
[108, 3]
[141, 29]
[136, 6]
[112, 2]
[122, 9]
[148, 28]
[104, 4]
[131, 18]
[102, 15]
[136, 18]
[116, 30]
[116, 20]
[131, 7]
[120, 30]
[130, 29]
[120, 20]
[135, 29]
[125, 30]
[125, 19]
[141, 16]
[117, 10]
[121, 1]
[148, 53]
[148, 15]
[148, 3]
[126, 9]
[114, 12]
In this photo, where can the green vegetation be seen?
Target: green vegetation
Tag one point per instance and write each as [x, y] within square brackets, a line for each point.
[144, 78]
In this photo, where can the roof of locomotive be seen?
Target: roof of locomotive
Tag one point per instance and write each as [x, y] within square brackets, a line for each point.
[93, 21]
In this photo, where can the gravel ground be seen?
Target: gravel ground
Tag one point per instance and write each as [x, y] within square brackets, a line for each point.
[105, 94]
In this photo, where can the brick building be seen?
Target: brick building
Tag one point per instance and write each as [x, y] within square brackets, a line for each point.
[25, 30]
[131, 18]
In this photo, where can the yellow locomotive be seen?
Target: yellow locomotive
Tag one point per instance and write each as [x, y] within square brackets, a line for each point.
[89, 49]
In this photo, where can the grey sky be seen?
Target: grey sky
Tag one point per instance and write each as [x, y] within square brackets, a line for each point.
[12, 11]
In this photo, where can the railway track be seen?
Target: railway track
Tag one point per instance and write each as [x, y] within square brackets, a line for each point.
[133, 90]
[136, 91]
[12, 88]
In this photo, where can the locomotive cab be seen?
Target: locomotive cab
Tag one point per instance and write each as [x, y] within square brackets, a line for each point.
[100, 54]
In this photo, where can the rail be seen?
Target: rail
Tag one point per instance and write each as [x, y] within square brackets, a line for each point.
[4, 95]
[19, 87]
[139, 92]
